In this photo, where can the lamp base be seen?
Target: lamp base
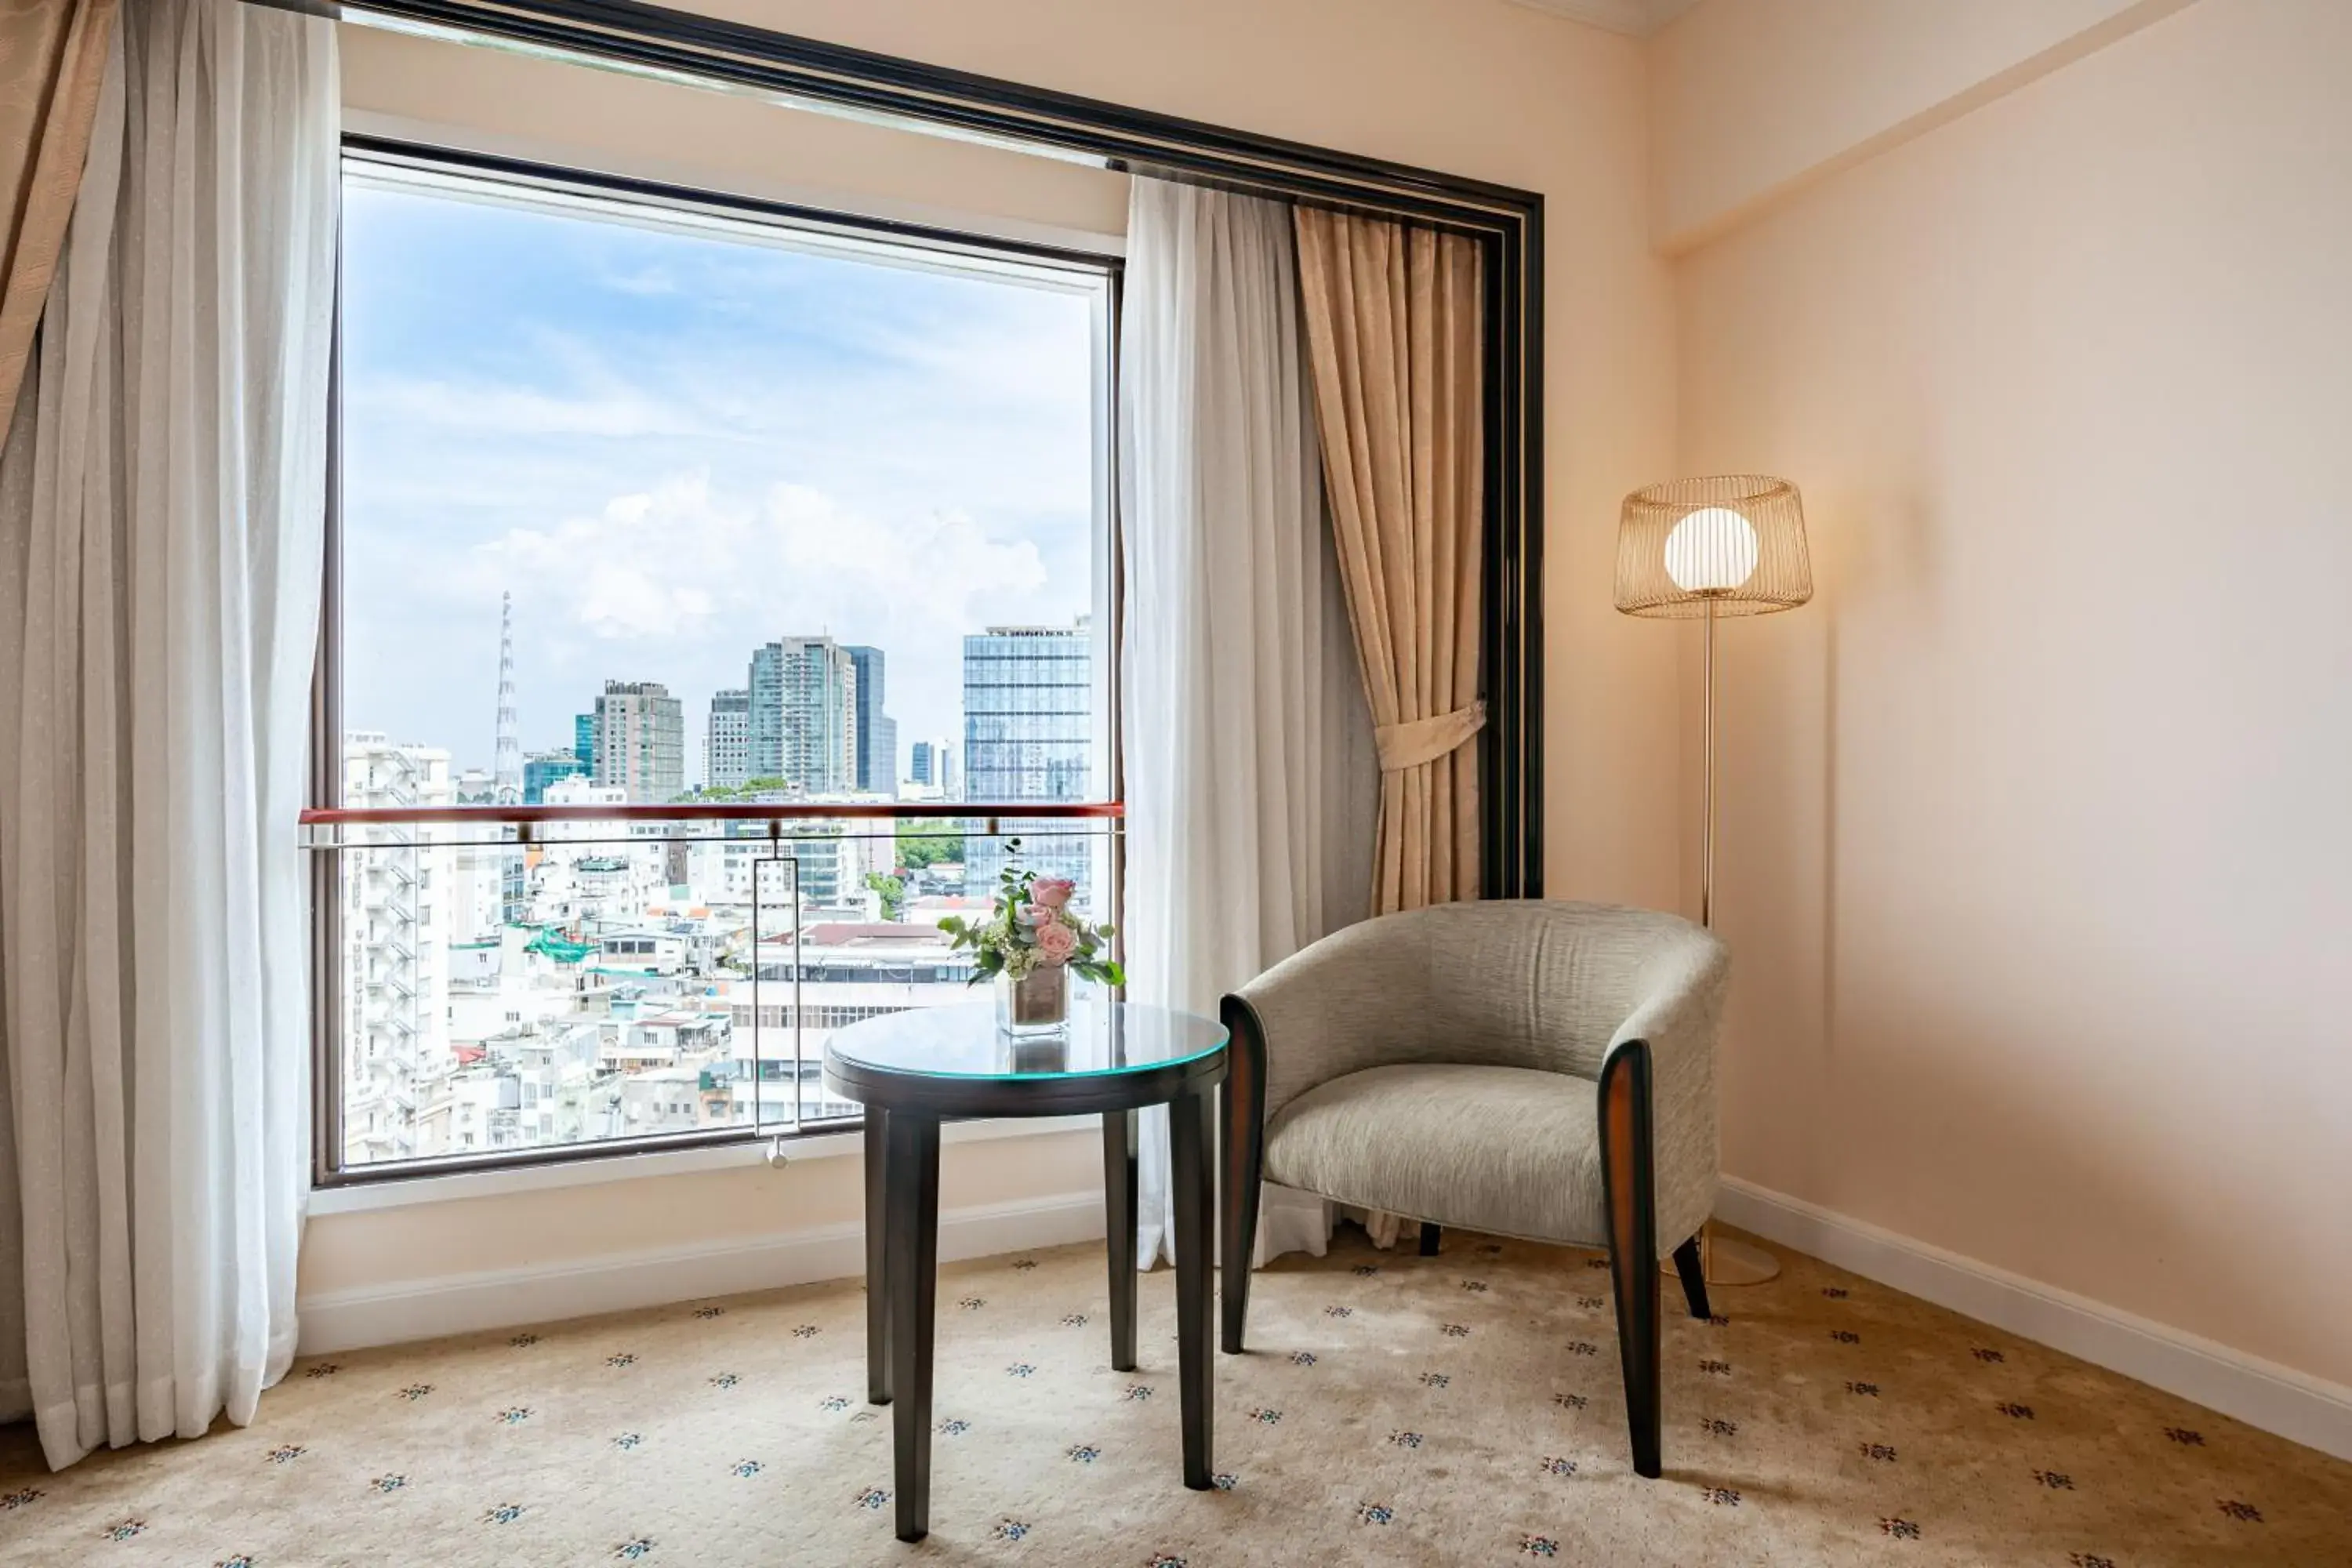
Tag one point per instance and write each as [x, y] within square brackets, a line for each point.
[1727, 1260]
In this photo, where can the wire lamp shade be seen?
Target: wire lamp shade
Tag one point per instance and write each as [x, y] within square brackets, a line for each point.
[1735, 541]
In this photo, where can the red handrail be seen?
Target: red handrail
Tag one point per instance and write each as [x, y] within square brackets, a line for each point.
[956, 811]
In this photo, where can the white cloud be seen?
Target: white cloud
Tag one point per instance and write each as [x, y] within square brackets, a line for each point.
[679, 581]
[679, 561]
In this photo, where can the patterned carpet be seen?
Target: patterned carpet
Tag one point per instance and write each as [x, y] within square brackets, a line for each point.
[1395, 1410]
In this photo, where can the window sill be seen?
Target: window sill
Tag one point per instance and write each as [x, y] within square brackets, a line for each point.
[364, 1196]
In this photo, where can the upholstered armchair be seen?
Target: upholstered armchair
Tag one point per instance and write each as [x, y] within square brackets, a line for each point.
[1534, 1069]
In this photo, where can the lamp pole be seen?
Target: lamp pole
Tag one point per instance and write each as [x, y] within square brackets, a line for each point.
[1728, 1261]
[1707, 724]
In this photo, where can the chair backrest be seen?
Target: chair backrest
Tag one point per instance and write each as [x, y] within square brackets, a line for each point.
[1503, 983]
[1542, 984]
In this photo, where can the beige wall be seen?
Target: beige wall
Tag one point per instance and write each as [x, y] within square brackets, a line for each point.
[491, 100]
[1752, 98]
[2036, 844]
[1470, 87]
[564, 1226]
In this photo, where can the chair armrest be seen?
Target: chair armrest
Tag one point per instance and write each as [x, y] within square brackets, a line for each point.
[1356, 999]
[1678, 1017]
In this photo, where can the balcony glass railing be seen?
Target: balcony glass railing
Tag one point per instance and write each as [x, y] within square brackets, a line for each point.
[593, 978]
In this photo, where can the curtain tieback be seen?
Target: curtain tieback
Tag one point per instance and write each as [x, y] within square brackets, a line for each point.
[1409, 745]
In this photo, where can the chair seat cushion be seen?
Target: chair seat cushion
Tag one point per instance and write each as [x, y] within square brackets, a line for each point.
[1508, 1150]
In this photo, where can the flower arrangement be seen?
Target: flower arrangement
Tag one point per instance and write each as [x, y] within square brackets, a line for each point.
[1031, 927]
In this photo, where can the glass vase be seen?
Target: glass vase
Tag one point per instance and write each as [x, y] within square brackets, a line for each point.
[1037, 1004]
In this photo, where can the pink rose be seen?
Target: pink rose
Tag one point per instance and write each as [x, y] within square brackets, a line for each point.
[1056, 942]
[1035, 915]
[1053, 892]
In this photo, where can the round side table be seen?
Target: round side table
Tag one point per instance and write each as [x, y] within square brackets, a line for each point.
[915, 1069]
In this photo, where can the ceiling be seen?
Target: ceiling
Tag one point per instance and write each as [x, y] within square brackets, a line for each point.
[1637, 17]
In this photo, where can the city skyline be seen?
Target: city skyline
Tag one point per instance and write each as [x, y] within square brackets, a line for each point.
[1012, 769]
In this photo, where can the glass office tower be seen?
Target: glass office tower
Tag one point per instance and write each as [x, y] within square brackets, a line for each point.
[1028, 734]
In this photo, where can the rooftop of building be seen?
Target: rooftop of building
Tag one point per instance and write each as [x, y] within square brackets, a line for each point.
[871, 934]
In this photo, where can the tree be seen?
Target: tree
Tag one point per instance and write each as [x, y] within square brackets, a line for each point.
[738, 791]
[921, 845]
[893, 891]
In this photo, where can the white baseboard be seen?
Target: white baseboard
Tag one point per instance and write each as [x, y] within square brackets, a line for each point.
[2305, 1409]
[507, 1297]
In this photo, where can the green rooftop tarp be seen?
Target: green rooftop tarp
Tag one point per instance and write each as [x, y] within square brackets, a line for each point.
[556, 948]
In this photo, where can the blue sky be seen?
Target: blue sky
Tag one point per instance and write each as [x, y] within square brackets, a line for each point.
[672, 447]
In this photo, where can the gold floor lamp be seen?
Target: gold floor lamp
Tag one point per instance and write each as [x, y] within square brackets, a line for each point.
[1699, 550]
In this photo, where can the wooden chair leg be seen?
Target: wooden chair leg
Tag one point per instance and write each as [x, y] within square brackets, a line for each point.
[1242, 1103]
[1630, 1186]
[1691, 1267]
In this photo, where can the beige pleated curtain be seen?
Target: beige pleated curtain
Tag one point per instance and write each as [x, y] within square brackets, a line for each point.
[52, 59]
[1392, 318]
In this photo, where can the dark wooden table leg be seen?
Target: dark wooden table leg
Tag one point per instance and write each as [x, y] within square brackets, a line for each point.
[1194, 1201]
[878, 1256]
[914, 1277]
[1119, 1187]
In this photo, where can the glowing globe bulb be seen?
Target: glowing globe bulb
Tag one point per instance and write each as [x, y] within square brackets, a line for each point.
[1711, 551]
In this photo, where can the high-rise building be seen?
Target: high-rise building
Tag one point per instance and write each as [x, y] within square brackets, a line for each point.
[583, 739]
[878, 734]
[932, 763]
[802, 697]
[1028, 734]
[1028, 712]
[641, 741]
[727, 741]
[396, 903]
[540, 769]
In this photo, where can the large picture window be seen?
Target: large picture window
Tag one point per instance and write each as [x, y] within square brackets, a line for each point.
[697, 566]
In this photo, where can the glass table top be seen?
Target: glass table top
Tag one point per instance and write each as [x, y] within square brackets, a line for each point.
[1103, 1039]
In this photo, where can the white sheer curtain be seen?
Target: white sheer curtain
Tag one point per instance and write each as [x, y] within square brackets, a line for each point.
[1250, 774]
[161, 502]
